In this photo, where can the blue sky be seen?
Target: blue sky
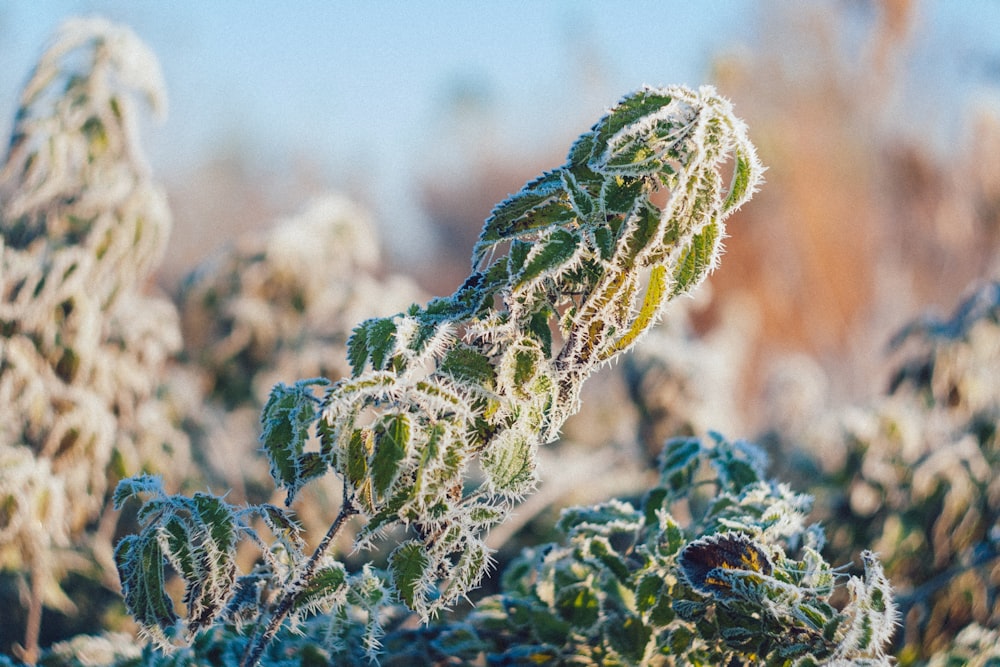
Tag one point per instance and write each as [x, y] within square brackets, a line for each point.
[334, 72]
[363, 84]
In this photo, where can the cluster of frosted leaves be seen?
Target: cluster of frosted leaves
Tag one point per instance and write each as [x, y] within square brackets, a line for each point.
[275, 307]
[197, 538]
[472, 384]
[742, 583]
[915, 476]
[82, 350]
[567, 273]
[717, 565]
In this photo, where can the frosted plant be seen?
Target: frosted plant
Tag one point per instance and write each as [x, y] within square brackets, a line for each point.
[742, 583]
[281, 305]
[437, 428]
[82, 349]
[975, 646]
[717, 565]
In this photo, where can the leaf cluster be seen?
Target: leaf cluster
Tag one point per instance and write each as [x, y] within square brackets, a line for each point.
[567, 274]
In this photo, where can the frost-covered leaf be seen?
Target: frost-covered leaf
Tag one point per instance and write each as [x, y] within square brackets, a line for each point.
[549, 256]
[510, 465]
[679, 461]
[140, 567]
[408, 565]
[697, 260]
[392, 440]
[326, 586]
[286, 421]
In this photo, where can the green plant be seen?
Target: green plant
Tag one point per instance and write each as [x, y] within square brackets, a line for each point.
[83, 350]
[435, 432]
[631, 585]
[738, 580]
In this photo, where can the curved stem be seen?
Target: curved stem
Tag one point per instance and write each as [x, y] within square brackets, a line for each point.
[255, 649]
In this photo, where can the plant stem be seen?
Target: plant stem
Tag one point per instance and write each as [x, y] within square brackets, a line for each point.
[33, 624]
[256, 647]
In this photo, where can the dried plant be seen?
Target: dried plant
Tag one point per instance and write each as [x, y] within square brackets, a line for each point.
[83, 349]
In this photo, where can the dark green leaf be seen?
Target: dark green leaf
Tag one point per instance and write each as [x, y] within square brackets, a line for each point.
[140, 568]
[392, 440]
[628, 635]
[464, 362]
[408, 565]
[326, 583]
[550, 255]
[578, 605]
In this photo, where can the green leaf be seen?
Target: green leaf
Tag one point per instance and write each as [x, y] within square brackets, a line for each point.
[483, 516]
[472, 565]
[139, 560]
[540, 204]
[605, 519]
[620, 194]
[357, 349]
[327, 583]
[540, 328]
[678, 463]
[286, 421]
[408, 565]
[628, 111]
[600, 548]
[525, 367]
[133, 487]
[359, 446]
[217, 516]
[373, 340]
[580, 199]
[640, 233]
[578, 605]
[604, 239]
[654, 600]
[743, 177]
[463, 362]
[697, 259]
[549, 255]
[392, 440]
[628, 635]
[509, 463]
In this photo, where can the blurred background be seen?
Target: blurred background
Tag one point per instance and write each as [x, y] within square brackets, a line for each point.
[879, 123]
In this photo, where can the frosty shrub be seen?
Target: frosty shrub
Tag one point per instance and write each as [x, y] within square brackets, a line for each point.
[921, 477]
[280, 305]
[742, 582]
[914, 475]
[717, 565]
[435, 432]
[82, 350]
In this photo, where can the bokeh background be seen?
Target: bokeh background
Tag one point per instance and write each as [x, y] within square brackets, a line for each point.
[879, 122]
